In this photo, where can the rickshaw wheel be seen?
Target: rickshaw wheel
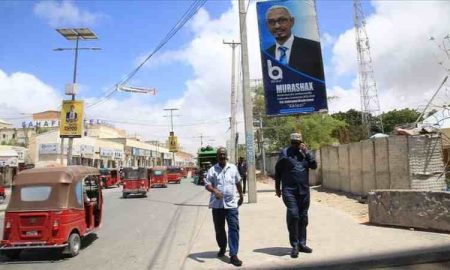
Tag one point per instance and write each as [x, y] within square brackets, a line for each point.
[74, 244]
[124, 195]
[12, 254]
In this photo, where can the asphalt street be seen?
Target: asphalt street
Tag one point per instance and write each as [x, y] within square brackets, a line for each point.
[155, 232]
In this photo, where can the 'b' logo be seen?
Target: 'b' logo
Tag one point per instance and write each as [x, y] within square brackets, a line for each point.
[275, 72]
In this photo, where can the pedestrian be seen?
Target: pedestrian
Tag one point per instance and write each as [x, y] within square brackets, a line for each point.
[242, 168]
[224, 183]
[292, 172]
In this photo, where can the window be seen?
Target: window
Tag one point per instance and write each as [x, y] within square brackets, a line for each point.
[79, 192]
[35, 193]
[4, 136]
[14, 136]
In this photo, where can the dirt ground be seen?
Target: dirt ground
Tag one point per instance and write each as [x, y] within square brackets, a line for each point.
[339, 200]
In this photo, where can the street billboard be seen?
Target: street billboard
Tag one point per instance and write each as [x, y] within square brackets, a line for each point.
[72, 114]
[291, 57]
[173, 143]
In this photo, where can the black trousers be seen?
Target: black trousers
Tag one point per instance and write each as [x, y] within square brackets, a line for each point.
[244, 183]
[296, 215]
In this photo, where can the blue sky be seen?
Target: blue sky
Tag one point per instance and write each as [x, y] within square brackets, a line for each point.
[192, 72]
[125, 31]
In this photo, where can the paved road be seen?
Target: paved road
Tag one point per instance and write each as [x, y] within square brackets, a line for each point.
[137, 233]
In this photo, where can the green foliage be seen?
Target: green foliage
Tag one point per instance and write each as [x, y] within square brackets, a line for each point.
[397, 117]
[317, 129]
[354, 131]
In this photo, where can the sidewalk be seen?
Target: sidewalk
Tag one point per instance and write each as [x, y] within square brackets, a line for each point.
[339, 239]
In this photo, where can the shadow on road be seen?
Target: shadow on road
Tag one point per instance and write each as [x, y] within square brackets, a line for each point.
[274, 251]
[439, 255]
[32, 256]
[189, 204]
[199, 257]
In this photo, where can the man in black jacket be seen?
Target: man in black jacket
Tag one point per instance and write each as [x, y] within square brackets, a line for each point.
[301, 54]
[292, 171]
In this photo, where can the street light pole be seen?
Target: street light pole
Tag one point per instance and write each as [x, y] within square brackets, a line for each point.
[74, 34]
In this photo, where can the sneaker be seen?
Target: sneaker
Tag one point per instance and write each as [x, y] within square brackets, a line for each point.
[294, 252]
[305, 249]
[234, 260]
[221, 252]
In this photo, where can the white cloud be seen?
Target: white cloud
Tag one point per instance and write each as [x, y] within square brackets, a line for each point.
[24, 93]
[65, 14]
[405, 61]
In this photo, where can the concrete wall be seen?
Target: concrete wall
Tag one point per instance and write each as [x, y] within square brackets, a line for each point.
[344, 167]
[398, 162]
[368, 166]
[382, 164]
[408, 208]
[355, 157]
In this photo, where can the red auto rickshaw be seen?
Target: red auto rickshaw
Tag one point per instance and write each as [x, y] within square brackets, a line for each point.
[158, 176]
[52, 208]
[110, 177]
[135, 181]
[174, 174]
[2, 193]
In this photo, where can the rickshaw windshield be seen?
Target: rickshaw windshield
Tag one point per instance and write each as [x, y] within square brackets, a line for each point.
[157, 172]
[39, 197]
[104, 172]
[131, 174]
[35, 193]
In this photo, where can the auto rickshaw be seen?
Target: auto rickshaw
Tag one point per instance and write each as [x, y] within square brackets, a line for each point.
[52, 208]
[135, 181]
[158, 176]
[174, 174]
[2, 193]
[109, 177]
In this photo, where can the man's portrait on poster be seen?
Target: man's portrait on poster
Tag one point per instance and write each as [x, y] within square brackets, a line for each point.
[299, 53]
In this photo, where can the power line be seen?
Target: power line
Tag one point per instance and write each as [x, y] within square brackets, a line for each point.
[192, 10]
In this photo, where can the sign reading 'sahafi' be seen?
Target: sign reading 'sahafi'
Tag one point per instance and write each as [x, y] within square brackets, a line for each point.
[292, 66]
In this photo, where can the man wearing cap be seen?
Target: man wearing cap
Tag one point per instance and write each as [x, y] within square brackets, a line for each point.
[224, 183]
[292, 172]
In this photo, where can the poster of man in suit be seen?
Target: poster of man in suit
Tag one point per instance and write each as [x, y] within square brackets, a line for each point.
[71, 119]
[291, 57]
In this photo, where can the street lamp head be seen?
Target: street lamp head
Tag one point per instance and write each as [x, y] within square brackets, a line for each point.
[77, 33]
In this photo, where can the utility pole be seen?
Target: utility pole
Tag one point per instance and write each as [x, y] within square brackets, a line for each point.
[263, 151]
[232, 154]
[171, 129]
[248, 106]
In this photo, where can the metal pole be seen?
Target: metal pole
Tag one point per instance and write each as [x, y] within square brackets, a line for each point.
[70, 144]
[263, 151]
[248, 107]
[232, 154]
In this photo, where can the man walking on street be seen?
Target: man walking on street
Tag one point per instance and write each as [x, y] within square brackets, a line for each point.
[292, 171]
[224, 183]
[242, 168]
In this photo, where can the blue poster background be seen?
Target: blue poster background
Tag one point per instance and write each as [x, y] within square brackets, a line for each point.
[288, 90]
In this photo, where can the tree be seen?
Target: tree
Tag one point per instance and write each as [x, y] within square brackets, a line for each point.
[317, 129]
[396, 117]
[354, 131]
